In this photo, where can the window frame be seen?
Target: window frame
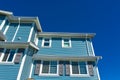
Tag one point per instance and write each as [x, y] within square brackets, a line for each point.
[43, 42]
[48, 74]
[79, 75]
[3, 54]
[69, 41]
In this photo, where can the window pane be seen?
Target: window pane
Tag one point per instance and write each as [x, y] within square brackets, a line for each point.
[45, 68]
[83, 69]
[1, 50]
[66, 40]
[46, 44]
[6, 55]
[20, 50]
[12, 52]
[66, 44]
[75, 69]
[53, 67]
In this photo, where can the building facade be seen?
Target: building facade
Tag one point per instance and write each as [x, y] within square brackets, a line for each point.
[28, 53]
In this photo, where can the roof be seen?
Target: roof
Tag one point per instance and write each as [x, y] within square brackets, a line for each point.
[13, 18]
[63, 34]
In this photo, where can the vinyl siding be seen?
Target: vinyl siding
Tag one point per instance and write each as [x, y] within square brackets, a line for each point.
[9, 72]
[33, 35]
[23, 32]
[5, 25]
[37, 77]
[26, 68]
[78, 48]
[11, 31]
[1, 19]
[90, 47]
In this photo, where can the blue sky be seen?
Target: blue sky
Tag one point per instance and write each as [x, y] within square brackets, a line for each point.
[92, 16]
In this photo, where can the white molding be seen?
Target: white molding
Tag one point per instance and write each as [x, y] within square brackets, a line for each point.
[21, 66]
[2, 55]
[79, 75]
[48, 74]
[43, 41]
[6, 29]
[6, 63]
[92, 48]
[3, 23]
[30, 34]
[70, 43]
[98, 73]
[87, 47]
[16, 32]
[36, 39]
[31, 69]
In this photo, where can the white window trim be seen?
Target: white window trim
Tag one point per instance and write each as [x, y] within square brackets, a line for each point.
[79, 75]
[36, 39]
[43, 41]
[3, 23]
[30, 33]
[8, 62]
[68, 42]
[48, 74]
[16, 32]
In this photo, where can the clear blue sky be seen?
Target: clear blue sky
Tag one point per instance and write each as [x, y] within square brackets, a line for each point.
[97, 16]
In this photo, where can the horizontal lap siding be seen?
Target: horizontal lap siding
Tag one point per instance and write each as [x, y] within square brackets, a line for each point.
[90, 47]
[9, 72]
[23, 32]
[5, 25]
[11, 31]
[33, 36]
[1, 19]
[37, 77]
[78, 48]
[26, 68]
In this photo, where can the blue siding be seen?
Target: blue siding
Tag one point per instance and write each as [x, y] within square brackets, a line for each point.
[5, 25]
[23, 32]
[37, 77]
[33, 35]
[9, 72]
[90, 47]
[1, 19]
[26, 68]
[11, 31]
[78, 48]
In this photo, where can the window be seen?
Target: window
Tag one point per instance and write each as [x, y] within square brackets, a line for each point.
[8, 55]
[66, 43]
[79, 68]
[46, 42]
[11, 56]
[1, 51]
[49, 68]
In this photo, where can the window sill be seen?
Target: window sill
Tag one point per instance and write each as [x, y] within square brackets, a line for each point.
[52, 75]
[79, 75]
[66, 47]
[7, 63]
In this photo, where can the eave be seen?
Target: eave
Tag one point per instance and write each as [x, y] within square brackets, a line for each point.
[5, 12]
[21, 19]
[17, 45]
[62, 34]
[73, 58]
